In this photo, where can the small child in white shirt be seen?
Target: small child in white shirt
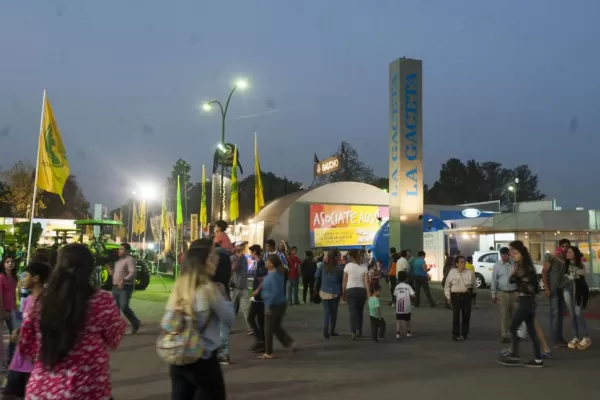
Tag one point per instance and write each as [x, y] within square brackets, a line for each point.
[404, 294]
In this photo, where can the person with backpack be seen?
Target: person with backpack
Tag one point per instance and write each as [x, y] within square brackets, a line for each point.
[197, 298]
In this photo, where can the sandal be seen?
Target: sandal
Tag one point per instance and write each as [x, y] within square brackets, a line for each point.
[266, 356]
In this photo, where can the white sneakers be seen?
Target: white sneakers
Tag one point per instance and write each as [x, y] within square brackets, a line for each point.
[573, 343]
[582, 344]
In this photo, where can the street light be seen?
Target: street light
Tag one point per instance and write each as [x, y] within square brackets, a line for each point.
[239, 84]
[513, 188]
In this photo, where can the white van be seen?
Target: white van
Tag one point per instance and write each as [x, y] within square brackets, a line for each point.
[484, 264]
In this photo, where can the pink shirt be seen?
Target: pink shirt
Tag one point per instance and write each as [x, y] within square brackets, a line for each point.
[8, 287]
[222, 239]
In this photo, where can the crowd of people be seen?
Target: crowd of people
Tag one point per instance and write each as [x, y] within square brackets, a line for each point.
[64, 328]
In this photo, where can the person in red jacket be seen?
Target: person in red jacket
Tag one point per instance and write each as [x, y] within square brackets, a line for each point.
[294, 277]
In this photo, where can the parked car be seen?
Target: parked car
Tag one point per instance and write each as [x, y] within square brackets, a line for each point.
[484, 264]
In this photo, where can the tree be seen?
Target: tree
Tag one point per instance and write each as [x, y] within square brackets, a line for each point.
[473, 182]
[75, 207]
[273, 188]
[182, 169]
[4, 205]
[20, 182]
[352, 168]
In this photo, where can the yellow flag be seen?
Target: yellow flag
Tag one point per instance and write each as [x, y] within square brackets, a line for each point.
[203, 212]
[259, 198]
[234, 208]
[122, 227]
[136, 220]
[53, 166]
[142, 218]
[164, 222]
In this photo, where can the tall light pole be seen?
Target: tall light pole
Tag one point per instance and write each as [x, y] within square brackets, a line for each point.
[513, 188]
[239, 84]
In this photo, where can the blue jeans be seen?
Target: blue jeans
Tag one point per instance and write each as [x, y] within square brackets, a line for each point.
[224, 350]
[580, 320]
[570, 307]
[556, 307]
[330, 310]
[292, 291]
[525, 313]
[122, 298]
[356, 297]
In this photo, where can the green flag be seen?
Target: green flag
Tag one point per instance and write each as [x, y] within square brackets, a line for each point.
[179, 210]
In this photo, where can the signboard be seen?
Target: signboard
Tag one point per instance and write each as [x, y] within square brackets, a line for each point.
[471, 213]
[193, 227]
[335, 225]
[328, 165]
[405, 140]
[433, 246]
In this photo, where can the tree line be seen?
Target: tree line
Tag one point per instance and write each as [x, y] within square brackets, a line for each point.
[458, 183]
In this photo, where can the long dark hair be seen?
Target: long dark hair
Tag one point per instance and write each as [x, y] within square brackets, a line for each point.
[333, 261]
[276, 261]
[65, 303]
[526, 261]
[13, 273]
[576, 259]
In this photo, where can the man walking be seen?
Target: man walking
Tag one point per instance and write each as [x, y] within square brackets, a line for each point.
[503, 292]
[239, 282]
[293, 277]
[308, 268]
[123, 283]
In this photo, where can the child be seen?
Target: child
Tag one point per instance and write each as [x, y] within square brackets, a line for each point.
[377, 321]
[403, 294]
[34, 278]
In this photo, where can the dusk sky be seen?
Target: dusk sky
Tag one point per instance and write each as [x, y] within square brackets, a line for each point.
[516, 82]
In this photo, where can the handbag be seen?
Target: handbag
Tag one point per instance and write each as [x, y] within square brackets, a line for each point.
[181, 342]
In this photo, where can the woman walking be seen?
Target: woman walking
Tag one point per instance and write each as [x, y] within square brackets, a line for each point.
[580, 292]
[525, 277]
[275, 306]
[69, 332]
[355, 284]
[197, 295]
[8, 304]
[460, 286]
[329, 277]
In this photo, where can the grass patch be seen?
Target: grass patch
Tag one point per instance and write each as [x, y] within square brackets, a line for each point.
[156, 290]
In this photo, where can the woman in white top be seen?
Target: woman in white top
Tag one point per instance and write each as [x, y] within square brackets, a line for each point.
[355, 286]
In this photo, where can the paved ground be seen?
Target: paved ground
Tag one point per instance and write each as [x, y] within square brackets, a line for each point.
[427, 366]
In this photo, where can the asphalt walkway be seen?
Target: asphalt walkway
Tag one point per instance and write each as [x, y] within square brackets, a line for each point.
[427, 366]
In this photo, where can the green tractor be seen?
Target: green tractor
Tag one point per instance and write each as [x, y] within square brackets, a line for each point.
[106, 252]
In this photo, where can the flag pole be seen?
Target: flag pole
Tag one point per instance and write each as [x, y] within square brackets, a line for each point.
[37, 167]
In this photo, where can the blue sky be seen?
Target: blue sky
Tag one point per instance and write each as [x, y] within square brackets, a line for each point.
[504, 80]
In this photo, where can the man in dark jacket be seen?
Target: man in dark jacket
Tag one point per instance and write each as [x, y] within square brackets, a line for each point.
[307, 271]
[222, 276]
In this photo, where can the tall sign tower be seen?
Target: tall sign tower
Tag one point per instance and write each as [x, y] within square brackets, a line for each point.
[406, 154]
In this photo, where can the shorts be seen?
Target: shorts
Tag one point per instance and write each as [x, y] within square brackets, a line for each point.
[403, 317]
[16, 382]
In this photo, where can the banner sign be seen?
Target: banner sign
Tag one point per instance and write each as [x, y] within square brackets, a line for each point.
[335, 225]
[328, 165]
[193, 227]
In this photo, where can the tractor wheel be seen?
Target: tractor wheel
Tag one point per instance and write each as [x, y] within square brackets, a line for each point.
[105, 278]
[142, 279]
